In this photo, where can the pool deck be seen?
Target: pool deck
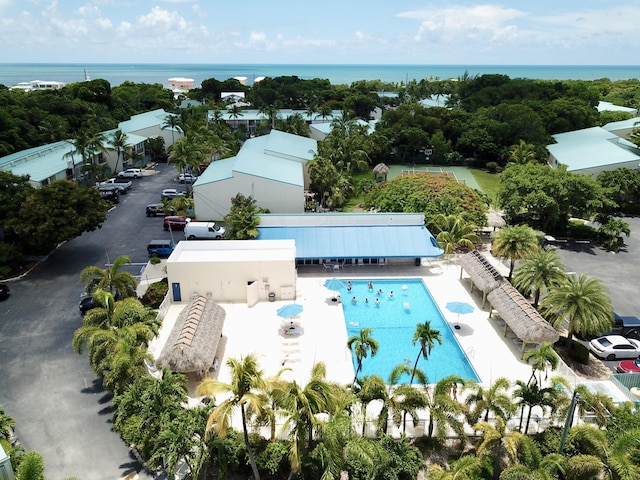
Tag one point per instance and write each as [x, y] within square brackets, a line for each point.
[323, 336]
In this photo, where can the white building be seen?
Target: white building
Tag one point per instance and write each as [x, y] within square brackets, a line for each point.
[271, 169]
[230, 271]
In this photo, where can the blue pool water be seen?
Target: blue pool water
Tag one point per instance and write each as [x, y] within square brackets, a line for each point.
[394, 321]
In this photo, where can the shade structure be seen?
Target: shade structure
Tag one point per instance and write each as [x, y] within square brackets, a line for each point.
[334, 285]
[483, 275]
[495, 219]
[193, 341]
[461, 308]
[290, 310]
[520, 316]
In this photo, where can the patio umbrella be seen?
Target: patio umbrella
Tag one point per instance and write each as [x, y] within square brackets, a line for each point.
[334, 285]
[461, 308]
[289, 311]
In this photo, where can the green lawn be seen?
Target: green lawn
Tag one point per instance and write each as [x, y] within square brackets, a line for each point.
[489, 182]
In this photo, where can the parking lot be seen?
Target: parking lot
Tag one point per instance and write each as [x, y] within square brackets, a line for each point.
[60, 409]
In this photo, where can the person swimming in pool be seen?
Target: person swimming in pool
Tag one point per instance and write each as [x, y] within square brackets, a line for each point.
[377, 302]
[370, 286]
[354, 300]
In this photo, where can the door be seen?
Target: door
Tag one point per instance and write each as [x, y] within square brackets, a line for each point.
[175, 288]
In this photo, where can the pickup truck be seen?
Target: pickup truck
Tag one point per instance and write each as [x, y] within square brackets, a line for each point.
[120, 184]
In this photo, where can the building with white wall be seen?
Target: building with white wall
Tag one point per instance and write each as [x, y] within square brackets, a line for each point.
[591, 151]
[271, 169]
[230, 271]
[57, 161]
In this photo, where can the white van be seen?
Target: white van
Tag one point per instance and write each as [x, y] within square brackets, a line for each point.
[203, 231]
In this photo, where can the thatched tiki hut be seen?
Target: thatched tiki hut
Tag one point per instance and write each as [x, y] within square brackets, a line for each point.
[520, 316]
[193, 342]
[380, 172]
[483, 274]
[495, 219]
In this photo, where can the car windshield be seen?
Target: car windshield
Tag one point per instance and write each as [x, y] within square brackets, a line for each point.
[604, 342]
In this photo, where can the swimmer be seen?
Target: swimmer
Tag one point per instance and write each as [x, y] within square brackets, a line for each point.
[349, 286]
[354, 300]
[377, 302]
[366, 300]
[380, 292]
[391, 294]
[370, 286]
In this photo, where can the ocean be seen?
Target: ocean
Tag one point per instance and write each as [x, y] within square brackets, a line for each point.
[12, 73]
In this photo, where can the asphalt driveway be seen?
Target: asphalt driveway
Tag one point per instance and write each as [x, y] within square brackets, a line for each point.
[619, 272]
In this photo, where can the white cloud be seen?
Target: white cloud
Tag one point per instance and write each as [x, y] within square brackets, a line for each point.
[457, 23]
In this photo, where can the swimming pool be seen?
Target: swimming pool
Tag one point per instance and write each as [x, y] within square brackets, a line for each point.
[394, 319]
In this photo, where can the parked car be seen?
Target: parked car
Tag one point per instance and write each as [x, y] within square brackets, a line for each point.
[175, 222]
[160, 248]
[187, 178]
[121, 184]
[628, 366]
[130, 173]
[155, 209]
[86, 304]
[204, 231]
[627, 326]
[4, 291]
[612, 347]
[170, 193]
[112, 195]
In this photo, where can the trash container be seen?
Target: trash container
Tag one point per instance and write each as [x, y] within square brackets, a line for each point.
[418, 262]
[272, 297]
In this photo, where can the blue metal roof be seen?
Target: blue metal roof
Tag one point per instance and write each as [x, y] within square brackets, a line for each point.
[379, 241]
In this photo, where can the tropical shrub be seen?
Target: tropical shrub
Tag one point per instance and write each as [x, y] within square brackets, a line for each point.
[155, 293]
[273, 461]
[427, 193]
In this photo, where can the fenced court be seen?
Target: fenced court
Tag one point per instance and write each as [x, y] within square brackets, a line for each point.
[461, 174]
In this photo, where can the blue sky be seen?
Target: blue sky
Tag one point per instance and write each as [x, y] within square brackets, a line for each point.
[534, 32]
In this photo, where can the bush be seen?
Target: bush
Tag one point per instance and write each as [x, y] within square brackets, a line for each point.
[154, 260]
[155, 294]
[273, 461]
[579, 352]
[493, 167]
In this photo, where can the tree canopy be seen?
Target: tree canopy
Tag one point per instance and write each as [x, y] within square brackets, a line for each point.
[55, 213]
[431, 194]
[547, 197]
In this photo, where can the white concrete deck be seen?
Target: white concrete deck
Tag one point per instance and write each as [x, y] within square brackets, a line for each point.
[259, 330]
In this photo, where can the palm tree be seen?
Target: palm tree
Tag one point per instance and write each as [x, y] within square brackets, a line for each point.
[453, 233]
[467, 467]
[112, 279]
[427, 337]
[542, 358]
[522, 153]
[584, 302]
[246, 390]
[149, 403]
[538, 273]
[531, 395]
[117, 336]
[495, 442]
[234, 112]
[87, 145]
[172, 122]
[371, 388]
[186, 154]
[443, 409]
[496, 399]
[391, 403]
[515, 243]
[361, 345]
[300, 407]
[118, 143]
